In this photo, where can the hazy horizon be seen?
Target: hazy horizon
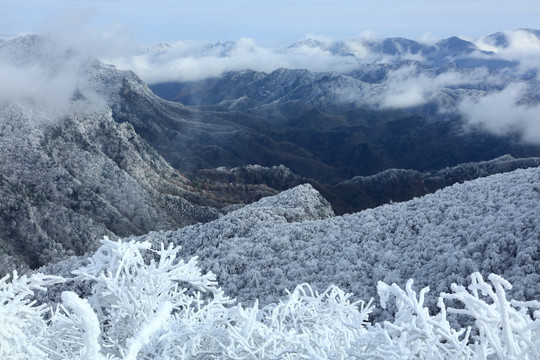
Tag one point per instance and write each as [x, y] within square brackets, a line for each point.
[269, 23]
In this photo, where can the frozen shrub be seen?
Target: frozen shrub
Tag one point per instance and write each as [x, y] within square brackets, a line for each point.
[22, 321]
[148, 304]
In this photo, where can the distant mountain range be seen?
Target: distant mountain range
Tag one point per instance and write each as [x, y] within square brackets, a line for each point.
[417, 109]
[502, 51]
[297, 118]
[89, 150]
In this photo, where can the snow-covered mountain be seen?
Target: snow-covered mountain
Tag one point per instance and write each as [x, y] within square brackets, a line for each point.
[507, 51]
[407, 104]
[488, 225]
[450, 79]
[404, 115]
[89, 150]
[435, 92]
[70, 173]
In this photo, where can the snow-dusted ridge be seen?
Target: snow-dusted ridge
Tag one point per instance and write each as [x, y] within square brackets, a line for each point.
[486, 225]
[70, 173]
[137, 297]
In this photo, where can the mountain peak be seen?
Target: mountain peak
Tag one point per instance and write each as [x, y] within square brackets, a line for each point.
[298, 204]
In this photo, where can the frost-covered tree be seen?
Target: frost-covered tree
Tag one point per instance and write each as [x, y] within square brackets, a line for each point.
[22, 321]
[146, 303]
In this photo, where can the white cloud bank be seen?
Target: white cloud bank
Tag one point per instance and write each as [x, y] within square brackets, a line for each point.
[409, 86]
[505, 112]
[189, 61]
[47, 72]
[522, 46]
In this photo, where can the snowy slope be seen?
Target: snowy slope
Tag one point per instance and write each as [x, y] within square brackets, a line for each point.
[488, 225]
[69, 173]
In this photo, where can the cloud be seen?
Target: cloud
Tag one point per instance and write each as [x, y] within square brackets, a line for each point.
[38, 75]
[80, 31]
[505, 112]
[48, 72]
[522, 47]
[412, 86]
[35, 84]
[187, 61]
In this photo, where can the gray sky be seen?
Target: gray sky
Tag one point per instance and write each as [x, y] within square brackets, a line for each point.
[276, 21]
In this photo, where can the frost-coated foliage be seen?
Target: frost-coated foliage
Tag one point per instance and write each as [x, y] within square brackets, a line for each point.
[148, 304]
[488, 225]
[21, 319]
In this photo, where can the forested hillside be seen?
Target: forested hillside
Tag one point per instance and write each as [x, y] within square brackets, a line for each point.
[141, 298]
[487, 225]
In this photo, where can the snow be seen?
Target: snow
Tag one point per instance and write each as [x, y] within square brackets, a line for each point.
[145, 334]
[302, 280]
[88, 321]
[486, 225]
[117, 321]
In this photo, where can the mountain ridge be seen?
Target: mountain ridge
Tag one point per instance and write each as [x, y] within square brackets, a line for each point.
[104, 155]
[262, 249]
[471, 219]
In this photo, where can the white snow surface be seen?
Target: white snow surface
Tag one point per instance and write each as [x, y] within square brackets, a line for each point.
[489, 225]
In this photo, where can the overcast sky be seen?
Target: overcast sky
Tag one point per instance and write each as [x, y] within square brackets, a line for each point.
[275, 21]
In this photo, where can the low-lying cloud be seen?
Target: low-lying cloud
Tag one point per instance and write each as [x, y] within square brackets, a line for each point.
[189, 61]
[39, 76]
[33, 84]
[47, 72]
[506, 112]
[520, 46]
[412, 86]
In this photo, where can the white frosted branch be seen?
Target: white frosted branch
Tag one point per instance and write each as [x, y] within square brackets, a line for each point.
[148, 329]
[89, 323]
